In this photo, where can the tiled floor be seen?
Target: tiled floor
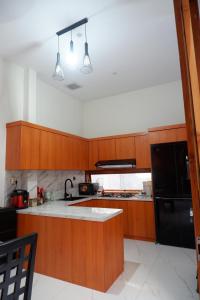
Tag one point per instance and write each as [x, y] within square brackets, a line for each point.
[152, 272]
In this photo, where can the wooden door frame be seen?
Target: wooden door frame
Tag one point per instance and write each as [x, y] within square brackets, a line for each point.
[180, 7]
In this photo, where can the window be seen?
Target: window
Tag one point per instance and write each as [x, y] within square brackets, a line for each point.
[121, 181]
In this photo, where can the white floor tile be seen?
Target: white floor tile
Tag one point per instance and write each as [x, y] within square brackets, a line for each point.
[152, 272]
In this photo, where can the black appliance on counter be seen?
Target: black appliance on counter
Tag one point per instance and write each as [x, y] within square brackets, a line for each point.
[8, 224]
[87, 188]
[172, 194]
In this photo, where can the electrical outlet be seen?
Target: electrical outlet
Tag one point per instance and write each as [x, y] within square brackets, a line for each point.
[13, 181]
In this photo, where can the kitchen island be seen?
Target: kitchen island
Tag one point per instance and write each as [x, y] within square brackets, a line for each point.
[82, 245]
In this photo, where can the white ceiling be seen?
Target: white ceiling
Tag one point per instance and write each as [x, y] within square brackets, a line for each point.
[134, 38]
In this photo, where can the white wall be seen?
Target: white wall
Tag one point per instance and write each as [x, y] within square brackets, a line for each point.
[134, 111]
[57, 110]
[11, 108]
[22, 97]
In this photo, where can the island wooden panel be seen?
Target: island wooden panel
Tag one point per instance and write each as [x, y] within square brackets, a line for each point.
[87, 253]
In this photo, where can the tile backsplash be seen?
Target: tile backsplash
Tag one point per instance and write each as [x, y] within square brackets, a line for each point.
[51, 181]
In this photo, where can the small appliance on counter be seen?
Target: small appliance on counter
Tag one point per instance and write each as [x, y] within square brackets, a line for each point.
[19, 199]
[88, 188]
[147, 188]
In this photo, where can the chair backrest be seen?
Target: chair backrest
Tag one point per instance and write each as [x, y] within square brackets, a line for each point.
[17, 259]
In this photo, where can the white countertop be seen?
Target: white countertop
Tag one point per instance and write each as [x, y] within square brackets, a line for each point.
[62, 209]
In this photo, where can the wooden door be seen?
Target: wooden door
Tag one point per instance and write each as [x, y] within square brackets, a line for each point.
[188, 32]
[125, 147]
[107, 149]
[142, 147]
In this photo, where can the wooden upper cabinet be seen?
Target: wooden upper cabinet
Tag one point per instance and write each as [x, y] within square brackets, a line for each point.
[48, 148]
[167, 134]
[93, 154]
[107, 149]
[33, 147]
[22, 148]
[143, 155]
[125, 147]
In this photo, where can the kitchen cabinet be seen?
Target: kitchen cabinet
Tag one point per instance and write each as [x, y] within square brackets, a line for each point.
[34, 147]
[143, 155]
[79, 149]
[106, 149]
[93, 154]
[48, 148]
[125, 147]
[167, 134]
[22, 148]
[138, 216]
[141, 220]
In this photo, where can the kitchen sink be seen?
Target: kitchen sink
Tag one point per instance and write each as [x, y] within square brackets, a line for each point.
[74, 198]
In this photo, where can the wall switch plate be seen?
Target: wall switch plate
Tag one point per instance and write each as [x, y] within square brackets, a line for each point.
[13, 181]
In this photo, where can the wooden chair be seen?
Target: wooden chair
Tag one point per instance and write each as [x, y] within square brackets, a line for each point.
[17, 259]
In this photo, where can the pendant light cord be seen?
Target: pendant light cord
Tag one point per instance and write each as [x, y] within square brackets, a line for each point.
[85, 33]
[58, 44]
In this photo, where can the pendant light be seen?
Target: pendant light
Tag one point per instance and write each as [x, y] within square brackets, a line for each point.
[71, 57]
[87, 65]
[58, 73]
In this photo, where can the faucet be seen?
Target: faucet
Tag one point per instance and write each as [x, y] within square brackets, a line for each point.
[66, 195]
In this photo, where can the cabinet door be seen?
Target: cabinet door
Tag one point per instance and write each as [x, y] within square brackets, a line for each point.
[168, 135]
[107, 149]
[30, 148]
[143, 157]
[22, 148]
[79, 154]
[63, 152]
[83, 154]
[93, 154]
[141, 220]
[48, 145]
[181, 134]
[125, 147]
[150, 221]
[136, 219]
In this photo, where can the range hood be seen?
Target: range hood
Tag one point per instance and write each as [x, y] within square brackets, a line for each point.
[119, 163]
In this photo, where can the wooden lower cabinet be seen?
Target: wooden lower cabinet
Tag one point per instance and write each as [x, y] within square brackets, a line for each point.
[87, 253]
[141, 220]
[138, 216]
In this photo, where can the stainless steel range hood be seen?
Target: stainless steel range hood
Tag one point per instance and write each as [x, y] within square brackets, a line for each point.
[119, 163]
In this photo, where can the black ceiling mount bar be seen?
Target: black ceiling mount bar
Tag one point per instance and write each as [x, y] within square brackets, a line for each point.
[73, 26]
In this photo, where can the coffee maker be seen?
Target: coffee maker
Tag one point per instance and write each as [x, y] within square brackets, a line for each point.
[19, 199]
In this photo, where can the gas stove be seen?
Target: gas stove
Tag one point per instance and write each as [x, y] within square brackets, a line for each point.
[118, 195]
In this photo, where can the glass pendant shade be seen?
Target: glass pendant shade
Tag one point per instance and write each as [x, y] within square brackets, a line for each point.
[71, 58]
[58, 73]
[87, 65]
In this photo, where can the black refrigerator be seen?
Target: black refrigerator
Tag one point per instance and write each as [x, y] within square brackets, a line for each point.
[172, 194]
